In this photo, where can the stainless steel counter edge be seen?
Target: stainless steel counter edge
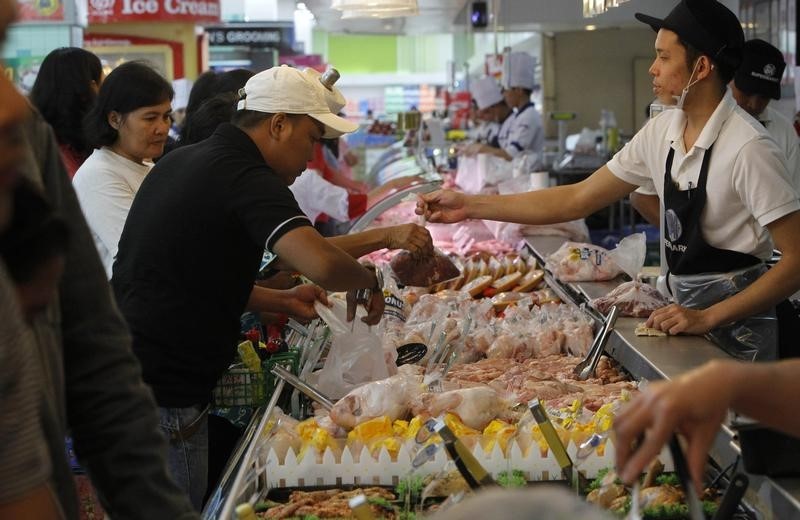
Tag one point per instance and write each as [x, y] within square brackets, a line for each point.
[655, 358]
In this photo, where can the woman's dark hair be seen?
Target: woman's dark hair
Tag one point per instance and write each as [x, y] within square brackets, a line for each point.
[201, 123]
[63, 93]
[129, 87]
[34, 236]
[210, 84]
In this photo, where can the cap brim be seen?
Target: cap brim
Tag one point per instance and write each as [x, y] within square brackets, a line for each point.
[652, 21]
[335, 126]
[750, 85]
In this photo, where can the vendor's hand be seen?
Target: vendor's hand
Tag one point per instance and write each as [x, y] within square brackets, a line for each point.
[374, 307]
[299, 301]
[356, 186]
[693, 404]
[411, 237]
[675, 319]
[442, 206]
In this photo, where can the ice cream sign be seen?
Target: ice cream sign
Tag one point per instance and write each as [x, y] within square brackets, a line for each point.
[104, 11]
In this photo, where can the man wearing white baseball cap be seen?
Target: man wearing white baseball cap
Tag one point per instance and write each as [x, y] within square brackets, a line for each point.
[193, 244]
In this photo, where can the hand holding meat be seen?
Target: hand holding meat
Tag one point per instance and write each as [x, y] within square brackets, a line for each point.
[443, 206]
[411, 237]
[675, 319]
[423, 271]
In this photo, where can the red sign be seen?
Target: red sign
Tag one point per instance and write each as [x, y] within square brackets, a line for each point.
[40, 10]
[104, 11]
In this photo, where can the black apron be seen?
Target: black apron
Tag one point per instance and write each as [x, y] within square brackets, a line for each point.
[703, 275]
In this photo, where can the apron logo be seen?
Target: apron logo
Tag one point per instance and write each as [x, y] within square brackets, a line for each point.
[674, 228]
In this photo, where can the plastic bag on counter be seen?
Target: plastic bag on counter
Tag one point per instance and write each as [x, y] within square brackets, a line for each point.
[582, 262]
[355, 357]
[423, 271]
[633, 298]
[630, 253]
[636, 299]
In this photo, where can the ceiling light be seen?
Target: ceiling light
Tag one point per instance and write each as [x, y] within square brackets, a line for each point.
[372, 5]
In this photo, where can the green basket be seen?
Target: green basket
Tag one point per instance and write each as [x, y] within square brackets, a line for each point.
[240, 386]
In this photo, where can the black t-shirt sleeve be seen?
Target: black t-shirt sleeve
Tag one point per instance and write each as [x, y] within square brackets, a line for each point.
[265, 206]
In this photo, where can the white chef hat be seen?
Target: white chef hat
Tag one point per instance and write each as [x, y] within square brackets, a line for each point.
[486, 92]
[519, 71]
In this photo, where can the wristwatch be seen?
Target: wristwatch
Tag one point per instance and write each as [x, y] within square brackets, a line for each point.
[365, 295]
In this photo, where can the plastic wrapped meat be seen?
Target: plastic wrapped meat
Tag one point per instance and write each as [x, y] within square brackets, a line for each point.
[476, 406]
[391, 397]
[578, 262]
[635, 299]
[423, 271]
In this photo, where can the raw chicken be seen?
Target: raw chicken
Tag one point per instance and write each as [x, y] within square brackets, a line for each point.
[391, 397]
[579, 262]
[635, 299]
[476, 406]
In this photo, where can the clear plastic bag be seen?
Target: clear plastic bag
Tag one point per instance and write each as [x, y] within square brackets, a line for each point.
[579, 262]
[636, 299]
[753, 338]
[355, 357]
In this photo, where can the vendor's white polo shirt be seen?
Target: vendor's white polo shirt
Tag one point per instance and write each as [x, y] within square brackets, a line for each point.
[748, 186]
[782, 130]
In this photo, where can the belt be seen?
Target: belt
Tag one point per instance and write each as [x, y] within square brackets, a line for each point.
[184, 433]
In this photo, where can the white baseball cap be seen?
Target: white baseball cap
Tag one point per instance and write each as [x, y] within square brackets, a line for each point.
[486, 92]
[288, 90]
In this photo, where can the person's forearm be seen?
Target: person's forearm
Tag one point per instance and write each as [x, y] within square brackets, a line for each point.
[648, 207]
[765, 391]
[263, 299]
[553, 205]
[497, 152]
[360, 244]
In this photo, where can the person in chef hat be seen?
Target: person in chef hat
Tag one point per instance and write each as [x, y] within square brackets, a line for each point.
[492, 112]
[522, 133]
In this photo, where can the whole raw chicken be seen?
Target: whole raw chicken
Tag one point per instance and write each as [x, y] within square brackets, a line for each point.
[476, 406]
[391, 397]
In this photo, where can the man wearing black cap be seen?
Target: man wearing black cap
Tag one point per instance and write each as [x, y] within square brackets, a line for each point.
[756, 83]
[722, 180]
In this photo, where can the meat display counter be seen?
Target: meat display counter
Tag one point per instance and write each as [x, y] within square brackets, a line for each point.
[643, 357]
[654, 358]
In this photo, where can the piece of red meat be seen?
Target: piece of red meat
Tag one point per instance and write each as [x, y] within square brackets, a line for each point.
[423, 271]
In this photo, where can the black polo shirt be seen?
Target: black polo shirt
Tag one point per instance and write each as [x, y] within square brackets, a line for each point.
[189, 255]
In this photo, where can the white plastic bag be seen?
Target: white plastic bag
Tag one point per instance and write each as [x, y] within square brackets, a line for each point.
[579, 262]
[630, 253]
[355, 357]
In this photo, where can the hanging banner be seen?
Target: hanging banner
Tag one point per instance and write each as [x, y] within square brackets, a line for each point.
[105, 11]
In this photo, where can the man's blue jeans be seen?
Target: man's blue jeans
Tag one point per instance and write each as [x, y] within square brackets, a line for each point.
[187, 432]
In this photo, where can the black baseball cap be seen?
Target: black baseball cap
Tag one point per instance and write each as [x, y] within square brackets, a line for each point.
[706, 25]
[761, 70]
